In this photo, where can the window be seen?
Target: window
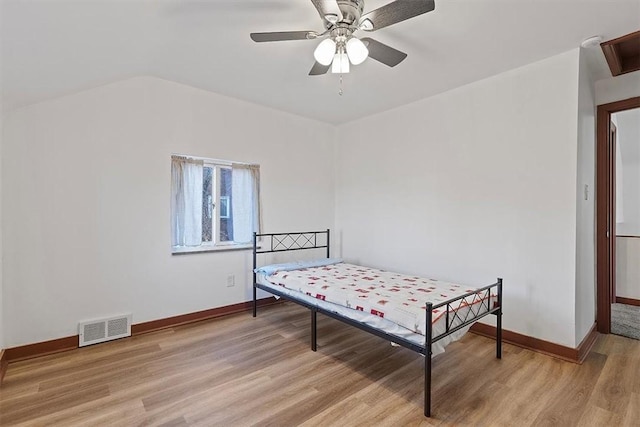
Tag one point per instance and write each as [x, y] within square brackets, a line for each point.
[214, 203]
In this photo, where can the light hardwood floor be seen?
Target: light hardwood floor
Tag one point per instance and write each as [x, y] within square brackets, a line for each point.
[242, 371]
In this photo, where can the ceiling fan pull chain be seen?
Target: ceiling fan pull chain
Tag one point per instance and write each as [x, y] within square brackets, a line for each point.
[340, 91]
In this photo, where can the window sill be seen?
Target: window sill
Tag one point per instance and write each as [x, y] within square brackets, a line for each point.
[182, 250]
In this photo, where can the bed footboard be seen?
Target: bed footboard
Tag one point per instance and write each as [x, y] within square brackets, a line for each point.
[481, 305]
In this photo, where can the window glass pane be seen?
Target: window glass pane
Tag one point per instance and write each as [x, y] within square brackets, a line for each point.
[225, 212]
[207, 204]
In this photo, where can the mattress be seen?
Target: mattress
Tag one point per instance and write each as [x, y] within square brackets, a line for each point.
[391, 302]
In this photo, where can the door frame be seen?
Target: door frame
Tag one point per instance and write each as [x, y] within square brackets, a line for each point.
[605, 210]
[613, 206]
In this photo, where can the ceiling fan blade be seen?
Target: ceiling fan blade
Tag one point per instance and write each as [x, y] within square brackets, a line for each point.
[328, 8]
[283, 35]
[383, 53]
[394, 12]
[318, 69]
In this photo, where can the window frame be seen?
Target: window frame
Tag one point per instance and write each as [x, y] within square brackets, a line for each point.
[216, 244]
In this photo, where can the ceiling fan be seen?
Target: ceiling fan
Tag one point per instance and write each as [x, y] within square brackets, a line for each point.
[341, 19]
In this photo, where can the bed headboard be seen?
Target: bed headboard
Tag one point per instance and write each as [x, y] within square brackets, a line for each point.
[282, 242]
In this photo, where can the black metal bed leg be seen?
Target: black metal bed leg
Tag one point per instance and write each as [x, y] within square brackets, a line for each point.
[499, 335]
[427, 360]
[427, 383]
[255, 303]
[314, 335]
[255, 265]
[499, 322]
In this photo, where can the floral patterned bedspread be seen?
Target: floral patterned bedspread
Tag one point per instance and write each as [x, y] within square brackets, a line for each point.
[399, 298]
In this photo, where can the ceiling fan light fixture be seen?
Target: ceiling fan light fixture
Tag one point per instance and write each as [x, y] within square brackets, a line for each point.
[325, 51]
[340, 63]
[357, 51]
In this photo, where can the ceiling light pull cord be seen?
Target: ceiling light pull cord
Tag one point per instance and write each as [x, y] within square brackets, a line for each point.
[340, 92]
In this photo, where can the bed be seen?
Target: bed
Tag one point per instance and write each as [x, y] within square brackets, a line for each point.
[421, 314]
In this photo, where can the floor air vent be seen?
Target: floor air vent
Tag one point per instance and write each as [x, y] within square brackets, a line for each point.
[101, 330]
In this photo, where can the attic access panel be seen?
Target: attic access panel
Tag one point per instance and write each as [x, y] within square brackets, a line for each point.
[623, 53]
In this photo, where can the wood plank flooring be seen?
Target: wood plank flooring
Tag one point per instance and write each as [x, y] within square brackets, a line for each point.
[240, 371]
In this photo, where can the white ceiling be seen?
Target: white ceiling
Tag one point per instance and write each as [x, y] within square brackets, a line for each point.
[56, 47]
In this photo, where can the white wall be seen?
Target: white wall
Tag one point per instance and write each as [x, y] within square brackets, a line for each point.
[585, 204]
[1, 240]
[628, 267]
[628, 135]
[472, 184]
[617, 88]
[86, 217]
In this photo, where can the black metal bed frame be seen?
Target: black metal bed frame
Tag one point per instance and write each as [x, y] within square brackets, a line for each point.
[283, 242]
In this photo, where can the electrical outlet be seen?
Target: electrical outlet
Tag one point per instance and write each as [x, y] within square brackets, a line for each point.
[231, 280]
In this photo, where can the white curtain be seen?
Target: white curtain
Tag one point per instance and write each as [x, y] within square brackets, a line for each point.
[245, 201]
[186, 201]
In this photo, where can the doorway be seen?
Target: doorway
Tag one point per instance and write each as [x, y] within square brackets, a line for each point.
[606, 210]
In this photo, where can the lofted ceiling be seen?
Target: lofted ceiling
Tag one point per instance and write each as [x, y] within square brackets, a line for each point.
[51, 48]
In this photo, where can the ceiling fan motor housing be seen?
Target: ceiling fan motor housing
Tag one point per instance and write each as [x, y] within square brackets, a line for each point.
[351, 11]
